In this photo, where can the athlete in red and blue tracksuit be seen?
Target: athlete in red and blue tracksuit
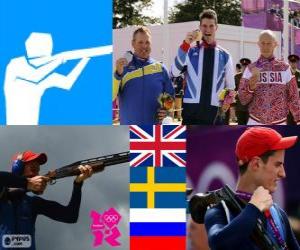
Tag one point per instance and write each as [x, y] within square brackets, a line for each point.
[138, 89]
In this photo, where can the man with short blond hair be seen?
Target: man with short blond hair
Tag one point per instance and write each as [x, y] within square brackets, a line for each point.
[139, 81]
[268, 86]
[141, 29]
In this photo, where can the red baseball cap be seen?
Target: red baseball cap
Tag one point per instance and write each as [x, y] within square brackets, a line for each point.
[256, 141]
[30, 156]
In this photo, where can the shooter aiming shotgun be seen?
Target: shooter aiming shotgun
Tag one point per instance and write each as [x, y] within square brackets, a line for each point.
[19, 211]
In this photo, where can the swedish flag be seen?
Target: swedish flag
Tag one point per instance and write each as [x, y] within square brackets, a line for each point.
[157, 187]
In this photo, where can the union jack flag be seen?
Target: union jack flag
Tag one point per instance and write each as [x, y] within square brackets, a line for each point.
[158, 145]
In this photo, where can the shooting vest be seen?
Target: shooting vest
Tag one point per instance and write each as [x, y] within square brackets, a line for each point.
[17, 218]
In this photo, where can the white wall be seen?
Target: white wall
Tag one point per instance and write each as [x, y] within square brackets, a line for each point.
[229, 37]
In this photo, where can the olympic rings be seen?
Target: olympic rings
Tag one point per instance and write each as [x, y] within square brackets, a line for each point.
[111, 218]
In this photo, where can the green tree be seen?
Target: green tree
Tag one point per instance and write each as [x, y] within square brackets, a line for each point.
[229, 11]
[130, 12]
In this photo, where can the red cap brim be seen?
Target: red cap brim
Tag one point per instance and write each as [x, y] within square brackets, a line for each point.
[42, 158]
[285, 143]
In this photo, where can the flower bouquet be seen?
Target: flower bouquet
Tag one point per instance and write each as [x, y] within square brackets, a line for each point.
[166, 102]
[226, 98]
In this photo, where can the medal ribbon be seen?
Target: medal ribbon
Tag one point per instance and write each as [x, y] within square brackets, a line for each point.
[247, 196]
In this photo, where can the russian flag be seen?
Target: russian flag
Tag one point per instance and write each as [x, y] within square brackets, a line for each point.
[157, 222]
[158, 243]
[157, 229]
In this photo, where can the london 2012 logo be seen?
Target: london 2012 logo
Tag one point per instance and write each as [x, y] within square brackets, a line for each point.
[104, 227]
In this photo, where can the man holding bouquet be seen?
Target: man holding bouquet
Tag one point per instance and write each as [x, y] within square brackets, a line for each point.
[209, 72]
[141, 83]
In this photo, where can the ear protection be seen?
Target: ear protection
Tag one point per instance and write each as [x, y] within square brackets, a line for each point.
[18, 166]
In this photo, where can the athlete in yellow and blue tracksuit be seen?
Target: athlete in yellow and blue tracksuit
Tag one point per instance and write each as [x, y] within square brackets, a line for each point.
[138, 89]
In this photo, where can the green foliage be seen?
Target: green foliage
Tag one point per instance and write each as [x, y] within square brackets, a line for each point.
[129, 12]
[229, 11]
